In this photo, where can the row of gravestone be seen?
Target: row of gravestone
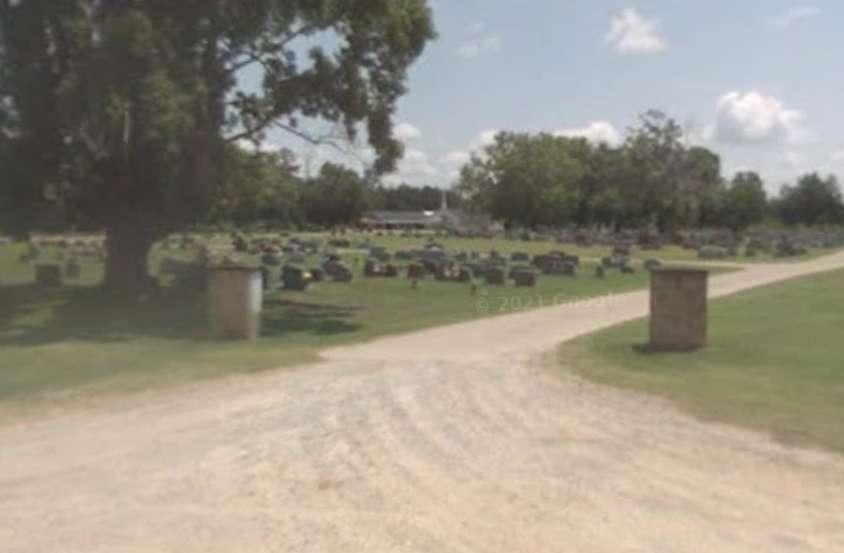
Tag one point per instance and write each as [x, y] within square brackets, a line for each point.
[54, 274]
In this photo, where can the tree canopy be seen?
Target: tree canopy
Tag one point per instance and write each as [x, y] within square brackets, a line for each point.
[652, 179]
[122, 110]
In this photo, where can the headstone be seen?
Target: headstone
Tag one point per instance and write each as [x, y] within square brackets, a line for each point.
[48, 275]
[416, 271]
[338, 271]
[712, 252]
[72, 269]
[495, 276]
[266, 278]
[372, 268]
[678, 319]
[270, 260]
[294, 278]
[651, 264]
[297, 258]
[524, 278]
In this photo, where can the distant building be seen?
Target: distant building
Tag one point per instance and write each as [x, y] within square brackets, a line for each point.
[400, 220]
[455, 220]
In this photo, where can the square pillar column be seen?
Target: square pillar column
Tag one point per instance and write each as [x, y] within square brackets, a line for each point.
[678, 309]
[235, 297]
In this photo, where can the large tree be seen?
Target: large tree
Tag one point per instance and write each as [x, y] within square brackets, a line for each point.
[813, 201]
[666, 182]
[525, 180]
[338, 196]
[745, 202]
[122, 109]
[258, 187]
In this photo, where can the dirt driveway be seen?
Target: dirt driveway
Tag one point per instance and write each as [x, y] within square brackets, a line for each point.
[448, 440]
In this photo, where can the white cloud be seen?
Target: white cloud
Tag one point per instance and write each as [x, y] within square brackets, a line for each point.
[596, 132]
[406, 131]
[751, 117]
[263, 147]
[795, 160]
[696, 135]
[415, 169]
[456, 158]
[484, 139]
[479, 45]
[837, 157]
[416, 156]
[631, 33]
[793, 16]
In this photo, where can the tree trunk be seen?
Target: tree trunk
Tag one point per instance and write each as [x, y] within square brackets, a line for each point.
[127, 261]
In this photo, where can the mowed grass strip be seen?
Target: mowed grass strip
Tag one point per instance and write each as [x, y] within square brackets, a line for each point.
[775, 362]
[74, 337]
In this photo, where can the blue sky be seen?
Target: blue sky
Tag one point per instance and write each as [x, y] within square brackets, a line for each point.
[757, 81]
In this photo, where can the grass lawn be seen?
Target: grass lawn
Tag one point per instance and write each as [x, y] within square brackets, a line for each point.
[775, 362]
[71, 338]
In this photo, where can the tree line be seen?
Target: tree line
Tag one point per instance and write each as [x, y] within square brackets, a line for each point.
[654, 180]
[267, 188]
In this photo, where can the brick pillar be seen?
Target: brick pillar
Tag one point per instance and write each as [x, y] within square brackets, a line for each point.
[678, 309]
[235, 298]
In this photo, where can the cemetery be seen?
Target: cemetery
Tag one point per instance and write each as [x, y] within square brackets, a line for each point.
[324, 289]
[320, 290]
[269, 284]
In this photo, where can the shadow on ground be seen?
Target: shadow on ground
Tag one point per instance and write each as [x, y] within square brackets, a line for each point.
[32, 316]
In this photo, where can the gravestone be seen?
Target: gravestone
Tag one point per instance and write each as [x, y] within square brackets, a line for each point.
[524, 278]
[270, 260]
[72, 269]
[495, 277]
[266, 278]
[416, 271]
[297, 258]
[294, 278]
[48, 275]
[651, 264]
[712, 252]
[678, 319]
[373, 268]
[338, 271]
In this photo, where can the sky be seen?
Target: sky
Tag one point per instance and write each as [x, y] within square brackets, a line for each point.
[758, 81]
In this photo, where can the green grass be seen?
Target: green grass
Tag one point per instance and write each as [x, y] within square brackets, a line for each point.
[775, 362]
[75, 339]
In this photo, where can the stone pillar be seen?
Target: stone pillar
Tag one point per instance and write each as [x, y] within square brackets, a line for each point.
[235, 296]
[678, 309]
